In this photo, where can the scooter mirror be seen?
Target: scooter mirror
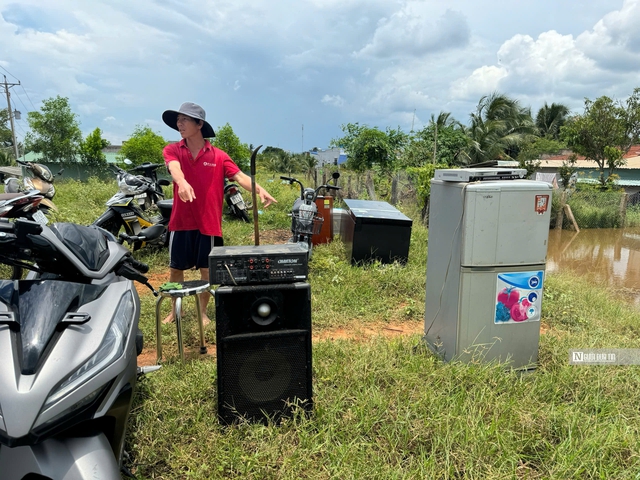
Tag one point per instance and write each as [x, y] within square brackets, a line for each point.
[335, 175]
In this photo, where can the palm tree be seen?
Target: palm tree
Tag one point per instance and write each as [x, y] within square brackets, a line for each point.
[550, 118]
[498, 127]
[310, 163]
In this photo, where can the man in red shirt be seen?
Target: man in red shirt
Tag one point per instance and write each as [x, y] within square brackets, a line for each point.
[198, 170]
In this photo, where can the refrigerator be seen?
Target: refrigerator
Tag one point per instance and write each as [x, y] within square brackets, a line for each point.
[487, 248]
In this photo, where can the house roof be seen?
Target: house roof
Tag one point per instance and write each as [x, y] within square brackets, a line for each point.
[632, 158]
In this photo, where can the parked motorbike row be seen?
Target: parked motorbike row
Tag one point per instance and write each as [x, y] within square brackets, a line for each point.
[138, 204]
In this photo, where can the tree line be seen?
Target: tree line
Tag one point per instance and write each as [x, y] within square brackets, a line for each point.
[499, 128]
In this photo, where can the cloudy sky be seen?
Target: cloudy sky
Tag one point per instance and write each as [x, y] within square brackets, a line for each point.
[288, 73]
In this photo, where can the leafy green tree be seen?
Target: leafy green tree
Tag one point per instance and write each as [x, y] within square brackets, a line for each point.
[605, 132]
[422, 177]
[530, 153]
[550, 119]
[442, 141]
[567, 169]
[273, 151]
[366, 146]
[91, 149]
[498, 127]
[55, 132]
[288, 163]
[229, 142]
[6, 158]
[144, 145]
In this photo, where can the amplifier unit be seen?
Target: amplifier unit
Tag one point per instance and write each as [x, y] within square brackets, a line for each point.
[254, 265]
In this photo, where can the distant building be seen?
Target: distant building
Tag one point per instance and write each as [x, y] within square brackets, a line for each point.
[332, 156]
[588, 171]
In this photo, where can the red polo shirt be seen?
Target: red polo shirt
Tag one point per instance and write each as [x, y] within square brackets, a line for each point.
[206, 174]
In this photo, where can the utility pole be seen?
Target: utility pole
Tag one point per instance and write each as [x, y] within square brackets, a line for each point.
[13, 128]
[303, 138]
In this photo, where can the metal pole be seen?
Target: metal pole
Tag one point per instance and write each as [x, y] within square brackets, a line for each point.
[256, 232]
[13, 129]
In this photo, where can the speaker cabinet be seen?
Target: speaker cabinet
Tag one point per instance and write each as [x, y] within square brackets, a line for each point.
[263, 335]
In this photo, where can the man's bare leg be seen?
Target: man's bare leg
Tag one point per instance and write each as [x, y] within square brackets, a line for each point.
[204, 297]
[174, 276]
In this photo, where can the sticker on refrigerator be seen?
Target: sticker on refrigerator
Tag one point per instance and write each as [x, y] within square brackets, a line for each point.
[518, 297]
[542, 204]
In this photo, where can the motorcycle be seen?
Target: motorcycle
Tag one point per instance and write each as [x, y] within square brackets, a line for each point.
[40, 179]
[69, 340]
[22, 205]
[305, 221]
[235, 202]
[138, 205]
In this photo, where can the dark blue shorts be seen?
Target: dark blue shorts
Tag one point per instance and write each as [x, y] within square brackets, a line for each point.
[190, 249]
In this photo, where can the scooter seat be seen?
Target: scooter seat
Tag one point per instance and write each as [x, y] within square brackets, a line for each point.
[165, 207]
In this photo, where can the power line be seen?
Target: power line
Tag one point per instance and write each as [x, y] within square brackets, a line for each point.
[25, 92]
[11, 74]
[23, 104]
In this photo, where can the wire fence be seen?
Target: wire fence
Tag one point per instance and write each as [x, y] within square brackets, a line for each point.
[594, 209]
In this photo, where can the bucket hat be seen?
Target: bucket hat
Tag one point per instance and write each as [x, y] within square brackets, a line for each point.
[190, 109]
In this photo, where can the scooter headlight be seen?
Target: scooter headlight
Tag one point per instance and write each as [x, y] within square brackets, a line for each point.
[111, 348]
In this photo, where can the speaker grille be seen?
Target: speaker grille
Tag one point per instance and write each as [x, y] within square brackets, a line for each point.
[263, 374]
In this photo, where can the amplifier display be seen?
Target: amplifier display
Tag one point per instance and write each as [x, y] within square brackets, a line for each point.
[254, 265]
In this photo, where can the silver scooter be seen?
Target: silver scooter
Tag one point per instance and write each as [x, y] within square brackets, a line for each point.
[69, 340]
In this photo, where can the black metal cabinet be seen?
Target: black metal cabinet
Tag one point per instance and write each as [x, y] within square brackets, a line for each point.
[373, 230]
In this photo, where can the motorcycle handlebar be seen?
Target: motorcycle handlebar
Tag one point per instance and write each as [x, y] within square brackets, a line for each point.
[138, 265]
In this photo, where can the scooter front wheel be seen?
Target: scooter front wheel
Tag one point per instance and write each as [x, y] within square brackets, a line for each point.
[110, 221]
[243, 215]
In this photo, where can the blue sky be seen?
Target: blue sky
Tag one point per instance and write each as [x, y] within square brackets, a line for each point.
[269, 67]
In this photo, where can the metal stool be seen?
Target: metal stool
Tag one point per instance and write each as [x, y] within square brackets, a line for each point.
[189, 288]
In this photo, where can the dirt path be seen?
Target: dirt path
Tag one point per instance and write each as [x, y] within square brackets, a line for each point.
[388, 330]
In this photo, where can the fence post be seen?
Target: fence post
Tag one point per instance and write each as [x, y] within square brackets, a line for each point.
[370, 187]
[560, 217]
[394, 190]
[623, 209]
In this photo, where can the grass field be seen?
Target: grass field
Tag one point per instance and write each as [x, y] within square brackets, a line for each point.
[385, 407]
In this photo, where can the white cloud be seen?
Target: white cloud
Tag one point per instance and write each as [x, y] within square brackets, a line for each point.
[131, 61]
[333, 100]
[614, 42]
[483, 80]
[412, 32]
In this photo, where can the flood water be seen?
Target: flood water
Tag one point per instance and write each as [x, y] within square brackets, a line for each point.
[608, 256]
